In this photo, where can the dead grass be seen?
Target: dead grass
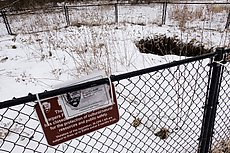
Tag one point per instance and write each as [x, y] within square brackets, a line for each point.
[222, 147]
[218, 8]
[184, 14]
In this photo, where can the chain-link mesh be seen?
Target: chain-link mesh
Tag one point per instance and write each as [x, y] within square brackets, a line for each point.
[37, 20]
[169, 105]
[221, 136]
[160, 111]
[2, 24]
[196, 16]
[92, 15]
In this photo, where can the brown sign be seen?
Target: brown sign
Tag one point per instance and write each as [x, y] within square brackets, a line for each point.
[59, 129]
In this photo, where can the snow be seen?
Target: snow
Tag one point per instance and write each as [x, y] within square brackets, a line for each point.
[32, 63]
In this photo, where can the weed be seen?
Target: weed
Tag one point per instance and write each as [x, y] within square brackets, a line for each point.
[14, 47]
[3, 59]
[218, 8]
[222, 147]
[163, 133]
[184, 14]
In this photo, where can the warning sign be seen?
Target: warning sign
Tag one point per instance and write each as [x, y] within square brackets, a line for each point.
[60, 129]
[86, 100]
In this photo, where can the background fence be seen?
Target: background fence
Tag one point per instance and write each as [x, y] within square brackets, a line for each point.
[162, 109]
[193, 15]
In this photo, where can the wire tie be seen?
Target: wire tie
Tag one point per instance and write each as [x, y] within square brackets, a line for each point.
[219, 62]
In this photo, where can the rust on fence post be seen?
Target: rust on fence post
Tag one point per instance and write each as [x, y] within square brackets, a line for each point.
[211, 104]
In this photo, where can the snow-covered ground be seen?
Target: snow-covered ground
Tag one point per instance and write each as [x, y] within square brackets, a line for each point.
[32, 63]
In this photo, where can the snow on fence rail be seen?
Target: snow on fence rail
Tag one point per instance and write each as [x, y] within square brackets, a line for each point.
[202, 15]
[182, 106]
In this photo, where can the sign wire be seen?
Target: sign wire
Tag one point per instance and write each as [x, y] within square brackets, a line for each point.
[111, 89]
[42, 109]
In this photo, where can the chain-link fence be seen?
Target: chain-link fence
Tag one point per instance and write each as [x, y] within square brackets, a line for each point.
[162, 109]
[168, 104]
[221, 130]
[193, 15]
[6, 24]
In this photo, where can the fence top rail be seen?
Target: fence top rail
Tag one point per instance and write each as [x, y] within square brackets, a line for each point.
[155, 2]
[60, 91]
[161, 67]
[128, 3]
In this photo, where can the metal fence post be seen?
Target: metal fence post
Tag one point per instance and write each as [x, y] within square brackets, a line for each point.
[164, 12]
[5, 20]
[116, 13]
[211, 104]
[66, 10]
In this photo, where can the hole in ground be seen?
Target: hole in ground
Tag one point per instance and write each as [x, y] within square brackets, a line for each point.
[162, 45]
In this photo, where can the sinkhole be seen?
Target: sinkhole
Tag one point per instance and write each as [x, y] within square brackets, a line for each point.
[163, 45]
